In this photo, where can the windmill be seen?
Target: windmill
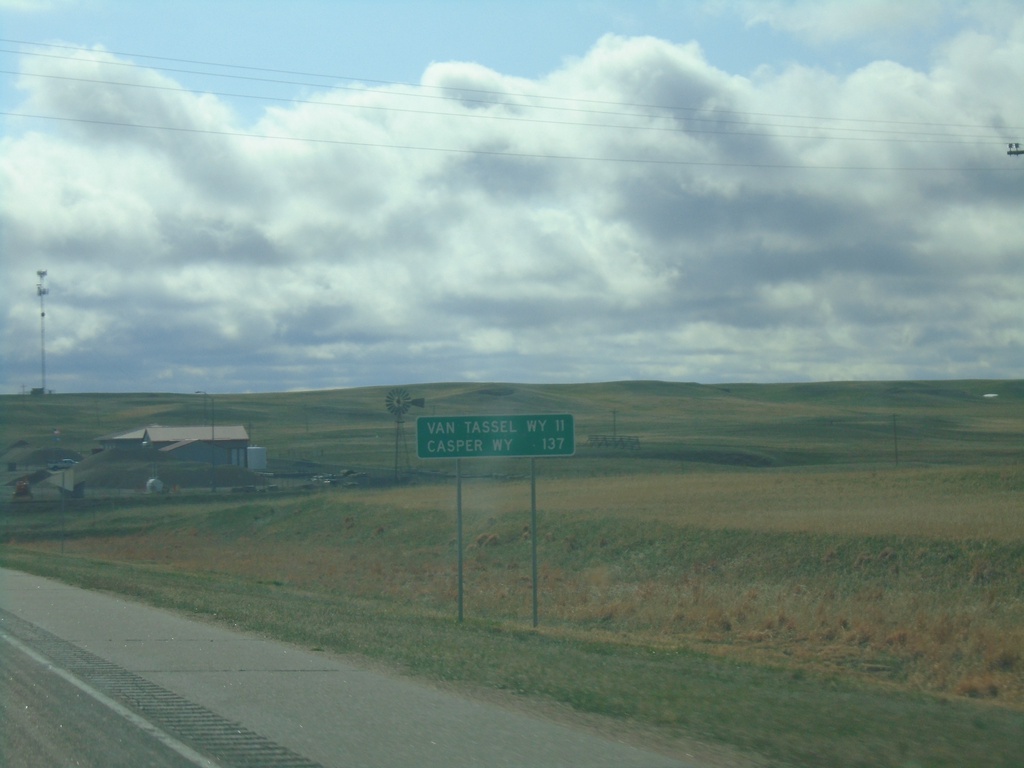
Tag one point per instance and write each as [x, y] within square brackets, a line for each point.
[398, 401]
[42, 290]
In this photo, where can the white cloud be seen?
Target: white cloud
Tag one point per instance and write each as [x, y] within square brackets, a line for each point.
[826, 21]
[35, 6]
[636, 214]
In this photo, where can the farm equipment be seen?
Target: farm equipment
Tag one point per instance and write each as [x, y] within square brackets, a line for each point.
[23, 490]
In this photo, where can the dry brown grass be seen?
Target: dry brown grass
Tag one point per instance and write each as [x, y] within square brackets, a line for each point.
[891, 576]
[931, 502]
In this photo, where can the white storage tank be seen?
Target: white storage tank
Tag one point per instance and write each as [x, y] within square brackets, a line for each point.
[256, 457]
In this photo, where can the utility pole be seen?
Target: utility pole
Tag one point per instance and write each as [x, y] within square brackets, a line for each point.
[895, 441]
[1014, 149]
[213, 440]
[42, 290]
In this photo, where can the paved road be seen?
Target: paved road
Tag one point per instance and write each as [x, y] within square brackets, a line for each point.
[45, 720]
[246, 701]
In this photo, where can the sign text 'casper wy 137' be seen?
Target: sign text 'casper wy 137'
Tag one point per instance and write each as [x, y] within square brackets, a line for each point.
[482, 437]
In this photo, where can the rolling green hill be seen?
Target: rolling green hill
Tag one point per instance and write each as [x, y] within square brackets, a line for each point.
[810, 574]
[678, 424]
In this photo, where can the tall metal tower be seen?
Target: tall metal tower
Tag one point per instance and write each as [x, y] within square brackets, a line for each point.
[42, 290]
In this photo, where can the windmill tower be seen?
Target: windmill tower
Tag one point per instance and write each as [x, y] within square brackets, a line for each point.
[398, 401]
[42, 290]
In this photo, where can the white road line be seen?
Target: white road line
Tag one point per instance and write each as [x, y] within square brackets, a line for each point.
[139, 722]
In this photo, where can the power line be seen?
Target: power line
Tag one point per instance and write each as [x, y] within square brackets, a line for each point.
[498, 153]
[459, 90]
[917, 138]
[821, 133]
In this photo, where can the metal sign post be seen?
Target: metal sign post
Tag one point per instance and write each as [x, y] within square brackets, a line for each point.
[458, 515]
[533, 532]
[506, 436]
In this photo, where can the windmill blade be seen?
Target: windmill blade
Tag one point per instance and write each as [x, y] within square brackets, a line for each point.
[397, 401]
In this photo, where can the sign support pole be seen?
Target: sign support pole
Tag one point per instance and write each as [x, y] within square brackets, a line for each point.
[458, 515]
[533, 532]
[500, 436]
[63, 494]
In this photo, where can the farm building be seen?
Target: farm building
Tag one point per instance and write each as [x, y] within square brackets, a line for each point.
[227, 444]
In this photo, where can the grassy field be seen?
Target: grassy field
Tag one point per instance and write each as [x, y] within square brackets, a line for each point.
[679, 425]
[777, 570]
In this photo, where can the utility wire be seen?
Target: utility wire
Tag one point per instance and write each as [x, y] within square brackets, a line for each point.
[916, 138]
[877, 134]
[498, 153]
[461, 99]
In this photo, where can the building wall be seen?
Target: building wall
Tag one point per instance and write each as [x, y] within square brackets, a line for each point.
[224, 453]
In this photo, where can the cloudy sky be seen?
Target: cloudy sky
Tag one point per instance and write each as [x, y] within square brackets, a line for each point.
[265, 196]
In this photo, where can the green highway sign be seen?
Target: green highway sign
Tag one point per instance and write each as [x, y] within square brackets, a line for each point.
[489, 437]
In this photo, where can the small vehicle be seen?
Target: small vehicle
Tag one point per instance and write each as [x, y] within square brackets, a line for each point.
[23, 490]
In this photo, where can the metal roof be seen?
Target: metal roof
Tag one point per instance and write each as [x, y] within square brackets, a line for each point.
[160, 434]
[135, 434]
[179, 444]
[227, 432]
